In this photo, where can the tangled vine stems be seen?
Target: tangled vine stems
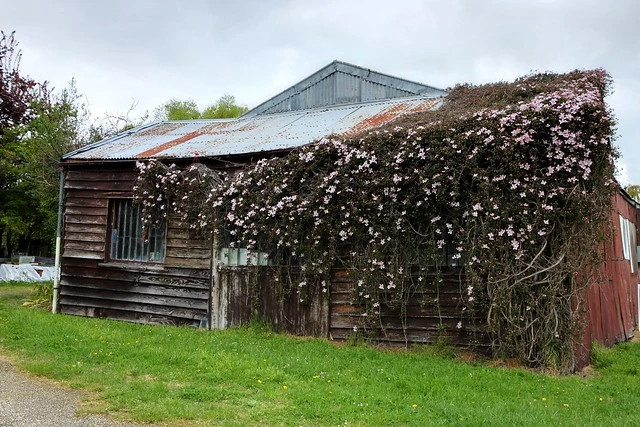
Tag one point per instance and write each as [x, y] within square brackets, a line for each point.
[512, 180]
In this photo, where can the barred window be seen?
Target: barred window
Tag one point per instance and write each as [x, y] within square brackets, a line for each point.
[130, 239]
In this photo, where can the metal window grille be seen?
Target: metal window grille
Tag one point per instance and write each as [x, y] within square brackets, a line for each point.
[130, 239]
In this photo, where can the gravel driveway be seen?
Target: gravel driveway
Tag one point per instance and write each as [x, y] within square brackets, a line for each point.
[31, 401]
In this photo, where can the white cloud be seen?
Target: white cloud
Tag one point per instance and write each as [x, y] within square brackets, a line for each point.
[622, 174]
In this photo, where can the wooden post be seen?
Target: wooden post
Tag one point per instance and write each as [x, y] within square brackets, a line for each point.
[56, 276]
[214, 297]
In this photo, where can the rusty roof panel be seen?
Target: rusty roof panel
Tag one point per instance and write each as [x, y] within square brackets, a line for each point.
[243, 135]
[161, 129]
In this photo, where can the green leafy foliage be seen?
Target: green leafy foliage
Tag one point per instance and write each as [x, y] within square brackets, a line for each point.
[29, 202]
[174, 109]
[634, 191]
[223, 108]
[37, 126]
[178, 110]
[21, 98]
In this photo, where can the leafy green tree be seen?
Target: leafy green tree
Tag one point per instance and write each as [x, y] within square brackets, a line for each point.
[54, 132]
[634, 191]
[29, 210]
[36, 128]
[225, 107]
[17, 95]
[178, 110]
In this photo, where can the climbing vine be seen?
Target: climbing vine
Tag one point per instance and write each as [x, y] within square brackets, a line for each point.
[513, 181]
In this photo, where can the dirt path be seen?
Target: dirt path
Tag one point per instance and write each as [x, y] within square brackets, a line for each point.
[30, 401]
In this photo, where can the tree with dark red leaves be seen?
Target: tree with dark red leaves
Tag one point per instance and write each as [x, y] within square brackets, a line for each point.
[16, 91]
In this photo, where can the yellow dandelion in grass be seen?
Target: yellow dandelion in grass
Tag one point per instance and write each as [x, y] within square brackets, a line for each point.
[259, 381]
[600, 399]
[284, 387]
[544, 399]
[414, 406]
[566, 405]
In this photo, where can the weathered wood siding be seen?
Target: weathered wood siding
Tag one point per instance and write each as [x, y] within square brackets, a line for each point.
[173, 292]
[185, 248]
[612, 306]
[178, 291]
[248, 293]
[431, 314]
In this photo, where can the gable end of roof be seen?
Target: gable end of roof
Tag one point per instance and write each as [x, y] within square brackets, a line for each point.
[341, 83]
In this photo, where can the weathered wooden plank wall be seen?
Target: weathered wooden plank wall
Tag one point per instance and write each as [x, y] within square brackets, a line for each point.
[612, 306]
[175, 292]
[185, 248]
[253, 293]
[432, 314]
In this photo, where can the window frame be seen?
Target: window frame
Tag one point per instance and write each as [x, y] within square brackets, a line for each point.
[136, 247]
[628, 241]
[232, 252]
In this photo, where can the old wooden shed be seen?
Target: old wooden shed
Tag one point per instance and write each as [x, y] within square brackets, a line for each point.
[106, 268]
[111, 267]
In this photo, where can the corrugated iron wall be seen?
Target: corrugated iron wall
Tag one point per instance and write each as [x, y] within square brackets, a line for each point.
[337, 88]
[612, 305]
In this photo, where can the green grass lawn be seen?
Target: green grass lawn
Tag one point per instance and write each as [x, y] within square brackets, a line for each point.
[9, 290]
[250, 376]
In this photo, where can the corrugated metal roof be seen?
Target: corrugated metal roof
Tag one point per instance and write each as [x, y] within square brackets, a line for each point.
[244, 135]
[341, 83]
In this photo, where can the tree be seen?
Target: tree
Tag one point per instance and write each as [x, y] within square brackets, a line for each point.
[17, 95]
[114, 123]
[225, 107]
[178, 110]
[16, 91]
[29, 204]
[37, 127]
[634, 191]
[174, 109]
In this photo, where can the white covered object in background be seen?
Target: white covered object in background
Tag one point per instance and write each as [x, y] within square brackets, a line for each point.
[25, 273]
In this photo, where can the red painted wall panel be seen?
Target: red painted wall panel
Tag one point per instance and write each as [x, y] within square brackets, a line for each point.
[611, 304]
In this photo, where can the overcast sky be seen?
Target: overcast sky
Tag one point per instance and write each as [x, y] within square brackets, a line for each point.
[124, 51]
